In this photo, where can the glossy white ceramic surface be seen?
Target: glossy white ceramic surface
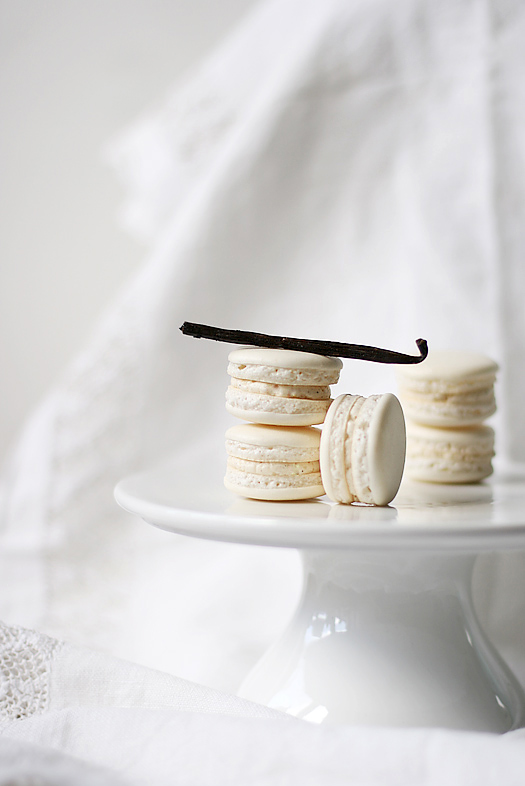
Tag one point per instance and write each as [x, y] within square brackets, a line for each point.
[385, 632]
[191, 500]
[384, 639]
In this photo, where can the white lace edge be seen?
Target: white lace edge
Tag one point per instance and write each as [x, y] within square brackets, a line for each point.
[25, 658]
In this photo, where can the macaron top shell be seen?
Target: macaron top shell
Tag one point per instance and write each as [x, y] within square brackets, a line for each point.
[269, 436]
[456, 436]
[386, 449]
[283, 358]
[450, 365]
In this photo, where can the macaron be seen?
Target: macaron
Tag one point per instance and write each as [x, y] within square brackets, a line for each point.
[280, 387]
[362, 452]
[273, 462]
[440, 455]
[449, 389]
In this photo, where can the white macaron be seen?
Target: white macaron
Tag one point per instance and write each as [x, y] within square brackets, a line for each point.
[273, 462]
[448, 389]
[280, 387]
[453, 455]
[363, 447]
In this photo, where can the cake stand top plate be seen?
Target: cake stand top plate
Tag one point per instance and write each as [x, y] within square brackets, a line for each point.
[191, 500]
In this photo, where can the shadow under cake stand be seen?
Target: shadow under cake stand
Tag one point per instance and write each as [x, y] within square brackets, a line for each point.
[385, 632]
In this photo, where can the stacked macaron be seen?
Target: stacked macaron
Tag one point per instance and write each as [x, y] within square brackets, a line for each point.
[446, 400]
[278, 455]
[273, 462]
[282, 394]
[280, 387]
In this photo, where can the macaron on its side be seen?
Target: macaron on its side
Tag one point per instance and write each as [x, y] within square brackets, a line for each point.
[439, 455]
[363, 449]
[273, 463]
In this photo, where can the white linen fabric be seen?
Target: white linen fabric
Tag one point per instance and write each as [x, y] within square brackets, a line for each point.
[92, 719]
[346, 170]
[39, 673]
[165, 747]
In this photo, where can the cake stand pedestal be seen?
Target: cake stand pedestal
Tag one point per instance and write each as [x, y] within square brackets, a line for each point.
[385, 632]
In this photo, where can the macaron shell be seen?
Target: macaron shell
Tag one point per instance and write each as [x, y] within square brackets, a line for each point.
[480, 435]
[386, 449]
[255, 434]
[283, 367]
[257, 442]
[283, 358]
[276, 495]
[270, 488]
[448, 475]
[449, 365]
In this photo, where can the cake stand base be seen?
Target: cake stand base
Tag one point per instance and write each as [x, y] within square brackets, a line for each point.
[388, 638]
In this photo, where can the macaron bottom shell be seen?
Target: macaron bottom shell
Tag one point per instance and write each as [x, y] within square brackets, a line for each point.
[272, 487]
[448, 475]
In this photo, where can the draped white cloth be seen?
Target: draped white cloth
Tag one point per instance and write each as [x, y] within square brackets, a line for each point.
[342, 170]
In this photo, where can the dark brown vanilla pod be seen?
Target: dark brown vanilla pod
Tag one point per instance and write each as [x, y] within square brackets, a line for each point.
[329, 348]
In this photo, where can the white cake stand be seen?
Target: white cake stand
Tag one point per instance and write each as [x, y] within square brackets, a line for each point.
[385, 632]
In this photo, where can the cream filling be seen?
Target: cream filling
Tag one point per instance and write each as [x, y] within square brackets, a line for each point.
[483, 398]
[420, 449]
[255, 402]
[440, 387]
[449, 467]
[340, 448]
[252, 480]
[283, 376]
[358, 466]
[282, 391]
[280, 453]
[273, 468]
[448, 459]
[454, 407]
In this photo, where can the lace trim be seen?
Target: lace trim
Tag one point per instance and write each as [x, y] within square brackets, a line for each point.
[24, 672]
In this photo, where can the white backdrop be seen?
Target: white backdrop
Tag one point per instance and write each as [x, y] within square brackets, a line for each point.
[71, 76]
